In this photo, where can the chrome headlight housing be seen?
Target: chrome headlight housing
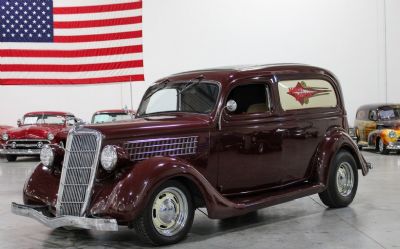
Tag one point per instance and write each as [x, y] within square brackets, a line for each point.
[50, 136]
[4, 136]
[109, 157]
[392, 134]
[47, 156]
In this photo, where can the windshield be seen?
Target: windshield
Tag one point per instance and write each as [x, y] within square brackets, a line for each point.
[389, 114]
[110, 117]
[180, 97]
[44, 119]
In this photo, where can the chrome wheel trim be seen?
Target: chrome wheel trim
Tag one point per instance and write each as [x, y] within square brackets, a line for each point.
[170, 211]
[380, 145]
[344, 179]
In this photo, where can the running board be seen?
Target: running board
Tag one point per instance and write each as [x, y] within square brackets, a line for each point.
[235, 206]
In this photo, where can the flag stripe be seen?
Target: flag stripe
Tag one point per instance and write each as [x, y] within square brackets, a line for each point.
[71, 68]
[98, 23]
[69, 53]
[124, 78]
[73, 3]
[98, 8]
[73, 60]
[70, 75]
[98, 30]
[99, 37]
[96, 16]
[73, 46]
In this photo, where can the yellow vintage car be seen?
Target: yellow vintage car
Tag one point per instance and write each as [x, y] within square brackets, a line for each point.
[378, 126]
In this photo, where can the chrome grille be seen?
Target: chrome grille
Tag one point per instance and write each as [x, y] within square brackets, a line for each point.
[143, 149]
[26, 143]
[79, 169]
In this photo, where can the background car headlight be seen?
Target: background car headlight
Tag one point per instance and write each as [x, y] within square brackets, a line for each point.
[109, 157]
[392, 134]
[47, 156]
[4, 136]
[50, 136]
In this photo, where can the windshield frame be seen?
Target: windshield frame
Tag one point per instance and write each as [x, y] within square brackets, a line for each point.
[389, 108]
[163, 85]
[130, 115]
[44, 114]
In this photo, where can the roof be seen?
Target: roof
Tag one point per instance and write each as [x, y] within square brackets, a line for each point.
[49, 113]
[377, 106]
[114, 111]
[228, 74]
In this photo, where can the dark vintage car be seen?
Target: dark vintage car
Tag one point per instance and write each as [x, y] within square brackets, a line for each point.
[232, 140]
[34, 131]
[377, 126]
[114, 115]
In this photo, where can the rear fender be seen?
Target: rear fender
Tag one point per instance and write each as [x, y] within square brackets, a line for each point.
[336, 139]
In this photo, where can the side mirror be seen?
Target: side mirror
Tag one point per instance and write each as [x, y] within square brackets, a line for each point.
[231, 106]
[19, 122]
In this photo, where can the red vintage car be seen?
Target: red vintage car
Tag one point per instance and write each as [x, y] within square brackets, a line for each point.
[35, 130]
[107, 116]
[232, 140]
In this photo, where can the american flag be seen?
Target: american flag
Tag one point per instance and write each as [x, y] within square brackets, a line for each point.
[70, 41]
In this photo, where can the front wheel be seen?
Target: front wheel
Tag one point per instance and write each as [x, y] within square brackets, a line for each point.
[382, 147]
[11, 158]
[168, 216]
[342, 181]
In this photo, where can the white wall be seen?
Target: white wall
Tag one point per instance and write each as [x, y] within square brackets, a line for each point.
[346, 37]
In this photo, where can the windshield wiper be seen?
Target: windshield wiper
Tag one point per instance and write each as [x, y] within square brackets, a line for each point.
[191, 83]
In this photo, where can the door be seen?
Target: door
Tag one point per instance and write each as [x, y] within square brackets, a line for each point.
[250, 146]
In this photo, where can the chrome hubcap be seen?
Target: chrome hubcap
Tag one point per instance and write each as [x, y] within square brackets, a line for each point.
[170, 211]
[345, 179]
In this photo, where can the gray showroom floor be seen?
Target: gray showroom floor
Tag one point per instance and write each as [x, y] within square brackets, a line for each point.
[372, 221]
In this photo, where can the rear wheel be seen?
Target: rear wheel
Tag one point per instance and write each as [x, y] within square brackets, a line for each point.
[168, 216]
[11, 158]
[382, 147]
[342, 181]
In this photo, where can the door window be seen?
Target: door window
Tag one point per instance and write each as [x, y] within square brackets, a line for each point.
[251, 98]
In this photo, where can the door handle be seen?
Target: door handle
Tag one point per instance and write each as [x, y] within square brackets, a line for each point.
[279, 130]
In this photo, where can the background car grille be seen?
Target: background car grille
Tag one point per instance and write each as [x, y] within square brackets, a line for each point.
[26, 144]
[79, 169]
[143, 149]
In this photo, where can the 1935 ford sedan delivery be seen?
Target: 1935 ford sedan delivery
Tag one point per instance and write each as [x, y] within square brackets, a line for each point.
[232, 140]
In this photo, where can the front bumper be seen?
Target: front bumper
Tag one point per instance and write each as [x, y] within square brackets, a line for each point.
[20, 152]
[393, 146]
[39, 213]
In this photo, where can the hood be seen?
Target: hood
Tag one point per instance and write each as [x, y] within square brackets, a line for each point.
[33, 131]
[153, 126]
[391, 124]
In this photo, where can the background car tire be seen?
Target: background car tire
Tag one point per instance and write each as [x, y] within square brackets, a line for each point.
[338, 194]
[11, 158]
[381, 147]
[145, 223]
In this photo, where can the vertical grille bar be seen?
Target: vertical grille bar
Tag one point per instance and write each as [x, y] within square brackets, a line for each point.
[79, 169]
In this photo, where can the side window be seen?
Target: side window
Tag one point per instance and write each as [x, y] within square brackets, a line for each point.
[252, 98]
[361, 115]
[373, 115]
[304, 94]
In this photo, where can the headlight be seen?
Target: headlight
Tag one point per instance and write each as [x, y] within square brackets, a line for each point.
[4, 136]
[392, 134]
[47, 156]
[50, 136]
[109, 157]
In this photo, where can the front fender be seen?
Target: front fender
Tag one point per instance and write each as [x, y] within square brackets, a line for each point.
[124, 198]
[335, 140]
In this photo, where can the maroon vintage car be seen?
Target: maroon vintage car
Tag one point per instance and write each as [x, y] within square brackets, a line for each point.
[35, 130]
[232, 140]
[113, 115]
